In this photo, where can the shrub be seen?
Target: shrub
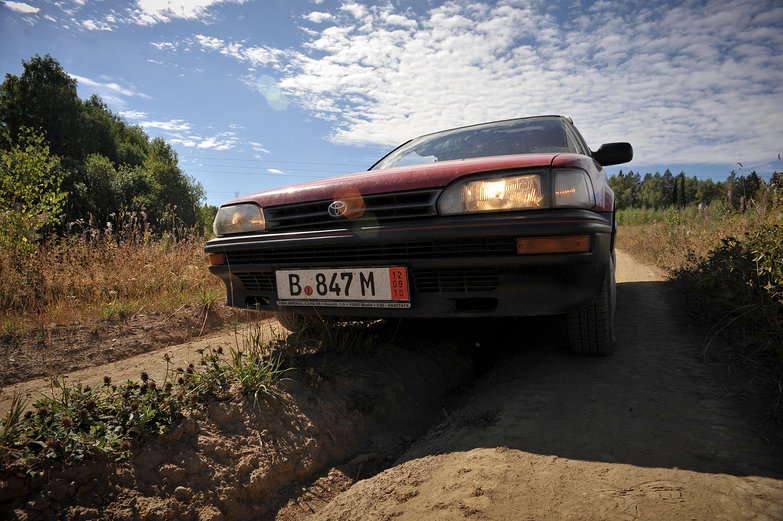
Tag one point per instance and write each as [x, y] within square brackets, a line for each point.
[30, 194]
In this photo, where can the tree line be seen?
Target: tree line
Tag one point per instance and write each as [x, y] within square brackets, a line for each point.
[67, 160]
[656, 191]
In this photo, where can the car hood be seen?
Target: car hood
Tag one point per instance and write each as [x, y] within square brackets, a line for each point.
[429, 175]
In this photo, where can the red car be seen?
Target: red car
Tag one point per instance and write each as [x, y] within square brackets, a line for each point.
[508, 218]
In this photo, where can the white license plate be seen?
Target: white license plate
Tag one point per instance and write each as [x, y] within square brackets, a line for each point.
[347, 287]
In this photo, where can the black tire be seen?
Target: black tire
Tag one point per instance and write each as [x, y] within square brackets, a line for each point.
[591, 327]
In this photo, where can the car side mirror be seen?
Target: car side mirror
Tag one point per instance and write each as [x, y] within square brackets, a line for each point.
[613, 154]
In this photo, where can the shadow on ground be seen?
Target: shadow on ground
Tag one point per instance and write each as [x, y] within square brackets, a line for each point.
[654, 403]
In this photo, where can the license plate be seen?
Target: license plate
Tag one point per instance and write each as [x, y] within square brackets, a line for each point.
[348, 287]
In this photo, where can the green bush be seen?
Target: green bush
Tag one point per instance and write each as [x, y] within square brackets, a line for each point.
[30, 194]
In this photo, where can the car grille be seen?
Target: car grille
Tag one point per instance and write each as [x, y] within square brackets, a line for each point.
[381, 252]
[379, 208]
[452, 281]
[257, 282]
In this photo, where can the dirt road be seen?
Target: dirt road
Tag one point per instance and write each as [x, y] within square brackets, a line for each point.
[647, 433]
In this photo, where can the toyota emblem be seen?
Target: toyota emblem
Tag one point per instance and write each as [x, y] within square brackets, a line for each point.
[338, 208]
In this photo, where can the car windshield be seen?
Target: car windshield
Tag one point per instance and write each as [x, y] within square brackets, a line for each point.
[517, 136]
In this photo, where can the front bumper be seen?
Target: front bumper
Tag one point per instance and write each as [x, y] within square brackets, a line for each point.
[457, 266]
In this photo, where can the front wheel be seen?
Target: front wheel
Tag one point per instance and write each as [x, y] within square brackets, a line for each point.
[591, 327]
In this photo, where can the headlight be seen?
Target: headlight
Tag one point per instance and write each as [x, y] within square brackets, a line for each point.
[496, 193]
[240, 218]
[569, 188]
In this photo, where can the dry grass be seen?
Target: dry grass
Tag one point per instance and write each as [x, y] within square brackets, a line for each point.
[100, 275]
[674, 238]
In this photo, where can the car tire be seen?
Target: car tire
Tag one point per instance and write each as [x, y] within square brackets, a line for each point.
[591, 327]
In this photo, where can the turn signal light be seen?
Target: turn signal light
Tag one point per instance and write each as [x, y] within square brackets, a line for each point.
[217, 259]
[553, 244]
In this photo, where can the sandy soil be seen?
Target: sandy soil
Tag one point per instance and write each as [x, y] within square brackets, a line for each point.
[485, 420]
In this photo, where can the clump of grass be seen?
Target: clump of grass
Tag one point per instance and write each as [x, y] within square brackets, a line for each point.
[208, 296]
[79, 422]
[740, 282]
[118, 309]
[341, 336]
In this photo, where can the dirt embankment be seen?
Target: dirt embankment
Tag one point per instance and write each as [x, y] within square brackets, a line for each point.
[651, 432]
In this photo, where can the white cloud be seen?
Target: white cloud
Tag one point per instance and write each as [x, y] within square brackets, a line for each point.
[222, 141]
[185, 142]
[357, 10]
[173, 125]
[96, 25]
[110, 91]
[256, 56]
[274, 171]
[21, 7]
[165, 46]
[150, 12]
[318, 17]
[258, 147]
[132, 114]
[693, 82]
[399, 20]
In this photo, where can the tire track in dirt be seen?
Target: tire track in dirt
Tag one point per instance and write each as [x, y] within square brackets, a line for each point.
[644, 434]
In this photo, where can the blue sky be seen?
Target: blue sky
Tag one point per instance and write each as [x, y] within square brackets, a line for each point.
[259, 94]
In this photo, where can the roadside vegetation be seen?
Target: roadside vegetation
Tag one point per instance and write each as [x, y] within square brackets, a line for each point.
[725, 252]
[92, 275]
